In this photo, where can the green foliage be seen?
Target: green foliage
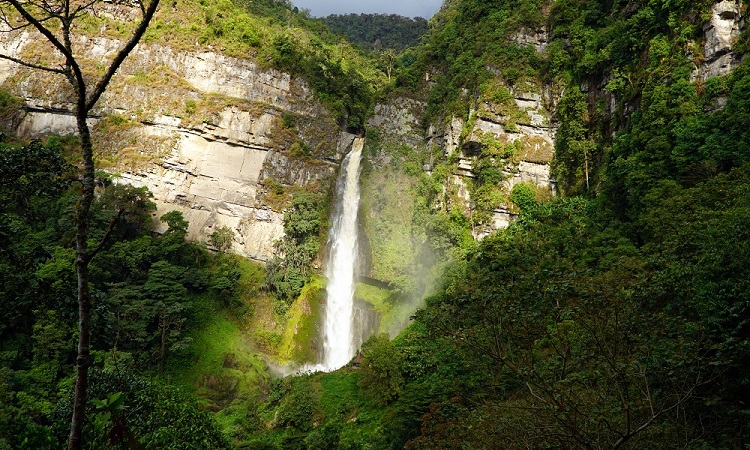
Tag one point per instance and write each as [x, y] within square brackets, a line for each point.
[173, 238]
[274, 186]
[300, 150]
[190, 107]
[566, 329]
[227, 274]
[573, 147]
[8, 101]
[109, 424]
[378, 31]
[128, 207]
[298, 406]
[176, 223]
[381, 367]
[29, 173]
[285, 53]
[544, 342]
[267, 341]
[288, 271]
[271, 33]
[524, 196]
[300, 342]
[32, 182]
[468, 37]
[330, 405]
[153, 415]
[565, 320]
[289, 120]
[673, 138]
[302, 220]
[486, 190]
[9, 106]
[341, 88]
[409, 237]
[325, 437]
[388, 223]
[497, 94]
[619, 320]
[151, 295]
[222, 239]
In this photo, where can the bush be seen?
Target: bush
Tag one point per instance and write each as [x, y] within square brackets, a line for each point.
[288, 270]
[382, 370]
[157, 416]
[222, 239]
[524, 196]
[298, 406]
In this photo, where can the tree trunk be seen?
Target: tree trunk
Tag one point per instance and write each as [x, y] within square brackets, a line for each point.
[82, 270]
[62, 15]
[586, 163]
[163, 343]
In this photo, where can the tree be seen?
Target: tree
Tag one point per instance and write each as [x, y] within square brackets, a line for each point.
[174, 238]
[146, 414]
[222, 239]
[55, 21]
[166, 297]
[381, 368]
[32, 179]
[287, 271]
[574, 148]
[561, 326]
[388, 58]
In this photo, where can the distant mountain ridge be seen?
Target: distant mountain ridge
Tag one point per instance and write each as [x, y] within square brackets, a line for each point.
[378, 31]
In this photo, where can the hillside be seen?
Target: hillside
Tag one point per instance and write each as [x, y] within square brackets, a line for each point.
[378, 31]
[200, 99]
[609, 315]
[553, 231]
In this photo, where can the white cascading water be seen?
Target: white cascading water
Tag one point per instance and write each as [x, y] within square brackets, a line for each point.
[338, 333]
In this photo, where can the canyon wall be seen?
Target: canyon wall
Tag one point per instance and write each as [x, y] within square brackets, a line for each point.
[201, 130]
[205, 131]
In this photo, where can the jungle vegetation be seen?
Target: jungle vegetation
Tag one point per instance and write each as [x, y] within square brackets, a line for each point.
[614, 315]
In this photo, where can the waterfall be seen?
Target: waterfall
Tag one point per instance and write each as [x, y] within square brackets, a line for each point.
[338, 331]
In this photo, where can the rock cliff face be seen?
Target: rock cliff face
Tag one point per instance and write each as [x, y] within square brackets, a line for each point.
[398, 120]
[539, 38]
[512, 115]
[201, 130]
[526, 124]
[528, 119]
[720, 32]
[524, 121]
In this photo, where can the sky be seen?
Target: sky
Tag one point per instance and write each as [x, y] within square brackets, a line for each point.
[407, 8]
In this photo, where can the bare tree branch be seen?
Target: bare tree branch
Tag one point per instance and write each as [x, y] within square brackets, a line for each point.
[23, 25]
[102, 85]
[45, 32]
[83, 8]
[32, 65]
[105, 238]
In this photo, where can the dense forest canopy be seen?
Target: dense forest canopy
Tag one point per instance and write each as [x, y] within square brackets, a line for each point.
[612, 315]
[378, 31]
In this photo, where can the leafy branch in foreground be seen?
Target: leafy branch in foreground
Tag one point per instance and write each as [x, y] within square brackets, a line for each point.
[55, 21]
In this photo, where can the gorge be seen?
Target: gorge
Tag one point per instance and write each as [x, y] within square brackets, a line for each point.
[528, 230]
